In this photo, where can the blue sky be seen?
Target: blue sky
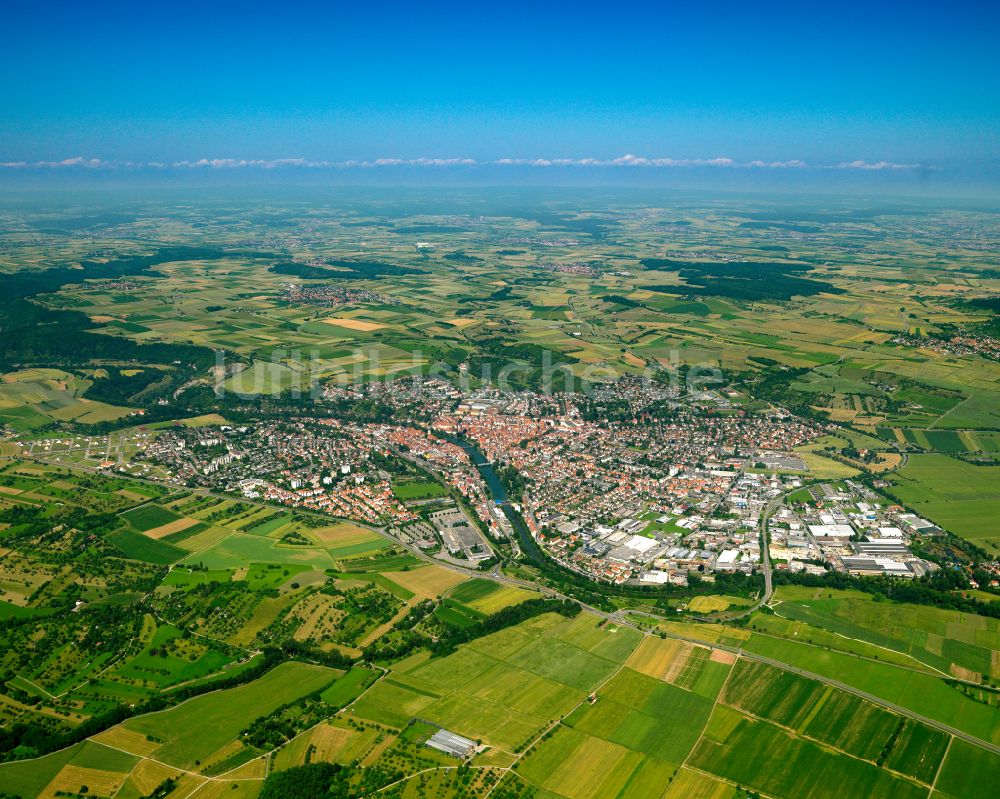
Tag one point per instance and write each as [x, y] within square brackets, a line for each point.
[825, 84]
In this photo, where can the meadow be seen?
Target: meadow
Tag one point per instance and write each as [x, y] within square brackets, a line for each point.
[960, 497]
[950, 642]
[922, 693]
[735, 747]
[219, 717]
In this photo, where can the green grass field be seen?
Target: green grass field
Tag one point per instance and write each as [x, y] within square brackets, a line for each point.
[239, 549]
[149, 516]
[347, 688]
[953, 643]
[218, 717]
[918, 751]
[922, 693]
[765, 758]
[958, 496]
[136, 545]
[969, 773]
[418, 489]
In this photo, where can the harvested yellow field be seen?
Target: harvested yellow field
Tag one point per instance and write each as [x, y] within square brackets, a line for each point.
[171, 528]
[584, 772]
[353, 324]
[71, 779]
[461, 322]
[148, 774]
[841, 414]
[709, 604]
[119, 737]
[427, 581]
[507, 595]
[887, 461]
[340, 535]
[654, 656]
[825, 468]
[326, 743]
[694, 785]
[256, 769]
[329, 741]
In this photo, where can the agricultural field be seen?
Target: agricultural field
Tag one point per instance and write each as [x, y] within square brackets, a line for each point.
[132, 613]
[219, 717]
[34, 398]
[485, 596]
[967, 771]
[929, 695]
[961, 497]
[734, 746]
[99, 768]
[594, 287]
[949, 642]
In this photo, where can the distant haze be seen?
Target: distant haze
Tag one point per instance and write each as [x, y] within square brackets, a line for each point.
[879, 96]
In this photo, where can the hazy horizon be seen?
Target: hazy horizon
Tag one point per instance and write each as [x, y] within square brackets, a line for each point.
[881, 97]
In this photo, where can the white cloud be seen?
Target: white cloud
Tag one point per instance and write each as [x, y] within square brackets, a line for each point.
[793, 164]
[623, 160]
[627, 160]
[442, 161]
[77, 161]
[877, 165]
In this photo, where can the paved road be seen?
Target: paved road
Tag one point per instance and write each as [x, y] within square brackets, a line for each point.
[765, 546]
[765, 555]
